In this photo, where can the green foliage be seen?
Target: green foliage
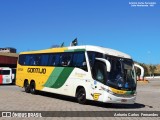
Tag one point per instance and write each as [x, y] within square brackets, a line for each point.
[149, 70]
[152, 69]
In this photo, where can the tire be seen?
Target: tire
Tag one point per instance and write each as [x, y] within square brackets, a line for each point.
[109, 104]
[26, 87]
[13, 82]
[81, 96]
[33, 88]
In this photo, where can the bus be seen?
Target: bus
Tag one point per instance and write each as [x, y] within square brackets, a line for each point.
[7, 75]
[84, 72]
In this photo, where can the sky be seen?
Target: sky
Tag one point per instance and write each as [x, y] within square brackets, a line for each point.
[39, 24]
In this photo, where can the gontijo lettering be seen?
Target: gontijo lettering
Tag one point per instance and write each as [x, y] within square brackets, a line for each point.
[37, 70]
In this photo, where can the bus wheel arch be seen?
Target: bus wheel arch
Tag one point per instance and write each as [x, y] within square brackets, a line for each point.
[26, 86]
[33, 87]
[81, 95]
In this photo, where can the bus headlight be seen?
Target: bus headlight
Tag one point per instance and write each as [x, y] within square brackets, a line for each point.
[110, 92]
[135, 94]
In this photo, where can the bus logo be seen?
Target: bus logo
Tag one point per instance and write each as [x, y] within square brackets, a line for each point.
[96, 96]
[36, 70]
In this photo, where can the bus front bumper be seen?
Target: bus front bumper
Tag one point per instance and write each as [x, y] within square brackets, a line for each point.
[109, 98]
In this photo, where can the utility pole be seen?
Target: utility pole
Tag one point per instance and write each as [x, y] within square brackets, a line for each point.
[149, 61]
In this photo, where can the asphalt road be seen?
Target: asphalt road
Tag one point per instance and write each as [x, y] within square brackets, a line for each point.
[13, 98]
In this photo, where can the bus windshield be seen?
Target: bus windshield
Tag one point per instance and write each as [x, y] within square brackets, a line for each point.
[4, 72]
[122, 74]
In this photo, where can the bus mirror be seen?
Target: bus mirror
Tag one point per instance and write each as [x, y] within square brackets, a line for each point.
[142, 70]
[13, 76]
[108, 64]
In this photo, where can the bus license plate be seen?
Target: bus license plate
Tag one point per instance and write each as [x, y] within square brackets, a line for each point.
[7, 80]
[123, 100]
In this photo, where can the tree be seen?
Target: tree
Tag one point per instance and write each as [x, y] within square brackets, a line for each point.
[146, 73]
[152, 68]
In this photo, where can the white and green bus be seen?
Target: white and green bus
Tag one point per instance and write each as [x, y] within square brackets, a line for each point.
[85, 72]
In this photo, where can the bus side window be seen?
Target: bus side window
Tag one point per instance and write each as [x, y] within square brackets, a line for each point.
[37, 60]
[54, 60]
[27, 60]
[92, 56]
[79, 61]
[66, 59]
[32, 60]
[44, 59]
[21, 59]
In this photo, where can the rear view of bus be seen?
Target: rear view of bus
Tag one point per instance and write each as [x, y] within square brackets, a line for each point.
[5, 75]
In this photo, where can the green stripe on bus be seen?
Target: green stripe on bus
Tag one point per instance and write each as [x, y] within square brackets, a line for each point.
[63, 77]
[54, 76]
[75, 50]
[130, 92]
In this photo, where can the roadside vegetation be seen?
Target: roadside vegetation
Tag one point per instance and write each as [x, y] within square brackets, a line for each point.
[149, 69]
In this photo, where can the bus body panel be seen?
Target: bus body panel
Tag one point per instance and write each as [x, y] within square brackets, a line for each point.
[49, 81]
[1, 79]
[27, 73]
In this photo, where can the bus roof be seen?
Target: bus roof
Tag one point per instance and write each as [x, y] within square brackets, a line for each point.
[4, 68]
[103, 50]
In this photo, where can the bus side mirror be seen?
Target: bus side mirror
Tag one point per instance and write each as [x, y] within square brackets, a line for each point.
[13, 76]
[107, 63]
[142, 70]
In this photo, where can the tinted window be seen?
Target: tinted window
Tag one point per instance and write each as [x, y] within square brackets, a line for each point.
[54, 59]
[65, 59]
[79, 60]
[92, 56]
[31, 60]
[34, 60]
[28, 60]
[22, 59]
[68, 59]
[4, 72]
[44, 59]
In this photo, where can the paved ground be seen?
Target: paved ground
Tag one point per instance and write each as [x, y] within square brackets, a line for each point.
[13, 98]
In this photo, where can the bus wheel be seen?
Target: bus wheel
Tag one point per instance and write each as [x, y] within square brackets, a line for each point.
[81, 96]
[26, 87]
[32, 88]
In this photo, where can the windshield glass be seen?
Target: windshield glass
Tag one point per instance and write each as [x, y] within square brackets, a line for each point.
[122, 74]
[4, 72]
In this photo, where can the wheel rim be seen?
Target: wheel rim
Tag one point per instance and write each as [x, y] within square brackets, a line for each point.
[81, 96]
[26, 87]
[32, 88]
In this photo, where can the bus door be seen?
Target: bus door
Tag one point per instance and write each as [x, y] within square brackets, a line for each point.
[99, 76]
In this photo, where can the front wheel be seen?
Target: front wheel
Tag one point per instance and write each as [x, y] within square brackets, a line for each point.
[81, 96]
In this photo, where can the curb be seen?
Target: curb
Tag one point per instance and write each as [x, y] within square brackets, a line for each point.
[143, 81]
